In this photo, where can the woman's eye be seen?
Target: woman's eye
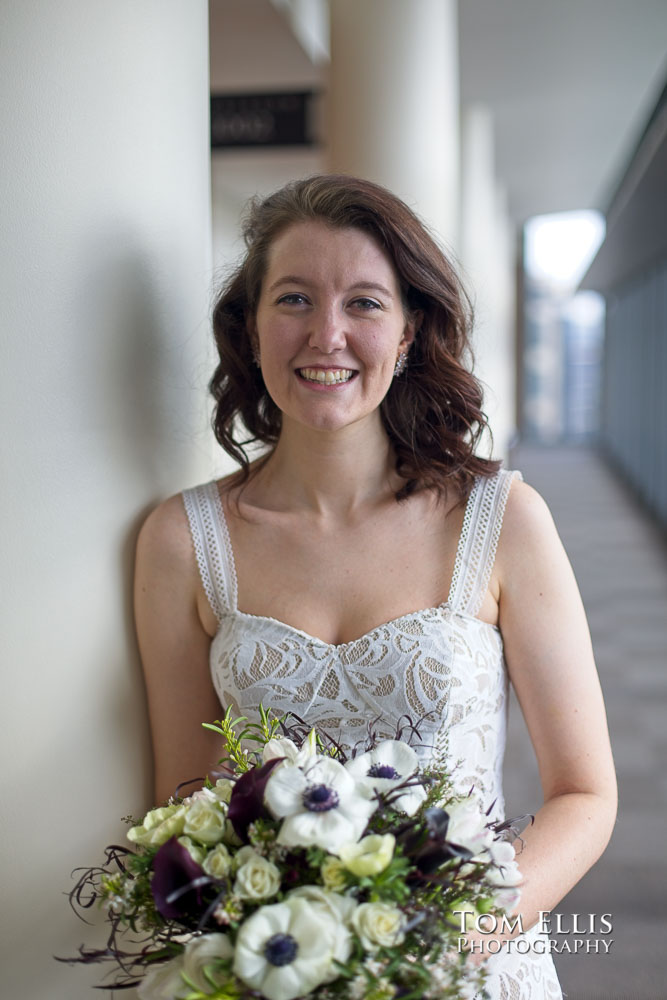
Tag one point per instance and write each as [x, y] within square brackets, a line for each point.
[292, 299]
[366, 304]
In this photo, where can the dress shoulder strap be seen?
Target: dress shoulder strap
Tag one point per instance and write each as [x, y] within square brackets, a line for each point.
[479, 540]
[212, 545]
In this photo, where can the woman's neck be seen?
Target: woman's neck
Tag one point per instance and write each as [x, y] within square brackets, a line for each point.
[329, 473]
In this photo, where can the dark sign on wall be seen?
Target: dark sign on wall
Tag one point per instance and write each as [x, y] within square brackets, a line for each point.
[283, 119]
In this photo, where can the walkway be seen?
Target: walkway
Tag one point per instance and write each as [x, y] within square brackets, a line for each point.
[620, 560]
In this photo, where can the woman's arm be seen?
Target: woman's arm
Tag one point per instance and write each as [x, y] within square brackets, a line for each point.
[174, 648]
[551, 666]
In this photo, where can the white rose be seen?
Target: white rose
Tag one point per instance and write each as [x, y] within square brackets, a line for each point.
[201, 959]
[338, 906]
[378, 925]
[201, 795]
[163, 981]
[256, 878]
[218, 862]
[370, 856]
[332, 871]
[158, 826]
[204, 822]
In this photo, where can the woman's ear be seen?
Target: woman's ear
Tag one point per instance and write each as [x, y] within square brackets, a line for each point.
[412, 325]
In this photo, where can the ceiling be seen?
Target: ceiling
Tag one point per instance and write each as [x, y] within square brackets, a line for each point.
[570, 84]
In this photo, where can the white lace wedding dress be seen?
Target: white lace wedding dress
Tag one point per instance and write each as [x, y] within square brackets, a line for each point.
[441, 663]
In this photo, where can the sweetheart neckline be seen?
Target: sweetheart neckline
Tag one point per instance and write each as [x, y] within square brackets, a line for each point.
[445, 606]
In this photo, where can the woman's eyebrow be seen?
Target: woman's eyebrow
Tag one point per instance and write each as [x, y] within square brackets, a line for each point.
[294, 279]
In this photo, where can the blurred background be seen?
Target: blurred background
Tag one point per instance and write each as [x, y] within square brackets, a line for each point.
[532, 138]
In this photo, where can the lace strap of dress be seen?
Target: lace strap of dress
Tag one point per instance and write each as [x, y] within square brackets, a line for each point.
[210, 538]
[479, 540]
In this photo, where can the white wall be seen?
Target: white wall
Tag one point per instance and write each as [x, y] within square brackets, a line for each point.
[487, 253]
[104, 322]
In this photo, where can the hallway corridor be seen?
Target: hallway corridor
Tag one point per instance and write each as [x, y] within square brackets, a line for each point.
[620, 560]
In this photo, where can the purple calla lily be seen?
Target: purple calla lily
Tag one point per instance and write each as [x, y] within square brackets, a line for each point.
[247, 799]
[177, 881]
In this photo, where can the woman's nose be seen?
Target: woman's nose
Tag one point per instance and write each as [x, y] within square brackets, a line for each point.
[327, 332]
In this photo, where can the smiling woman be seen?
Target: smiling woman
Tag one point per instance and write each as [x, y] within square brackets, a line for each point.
[388, 268]
[370, 566]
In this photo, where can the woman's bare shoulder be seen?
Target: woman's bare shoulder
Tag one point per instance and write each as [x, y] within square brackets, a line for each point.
[166, 529]
[528, 529]
[165, 533]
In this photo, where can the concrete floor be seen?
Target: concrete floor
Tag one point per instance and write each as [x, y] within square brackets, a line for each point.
[620, 560]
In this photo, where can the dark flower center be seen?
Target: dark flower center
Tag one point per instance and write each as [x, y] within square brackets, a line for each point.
[320, 798]
[382, 771]
[280, 949]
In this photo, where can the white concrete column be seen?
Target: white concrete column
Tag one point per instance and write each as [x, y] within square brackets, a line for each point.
[488, 258]
[104, 305]
[394, 101]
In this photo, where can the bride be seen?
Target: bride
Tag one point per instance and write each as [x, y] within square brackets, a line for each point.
[358, 571]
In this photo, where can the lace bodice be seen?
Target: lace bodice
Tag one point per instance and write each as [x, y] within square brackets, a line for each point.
[441, 666]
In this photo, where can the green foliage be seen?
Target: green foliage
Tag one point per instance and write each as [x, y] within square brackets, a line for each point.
[256, 732]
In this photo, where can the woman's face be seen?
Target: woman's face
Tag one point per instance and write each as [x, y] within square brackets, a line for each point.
[329, 325]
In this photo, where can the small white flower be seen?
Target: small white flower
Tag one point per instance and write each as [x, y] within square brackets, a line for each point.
[389, 764]
[287, 949]
[374, 967]
[441, 979]
[502, 853]
[256, 878]
[202, 957]
[322, 804]
[378, 925]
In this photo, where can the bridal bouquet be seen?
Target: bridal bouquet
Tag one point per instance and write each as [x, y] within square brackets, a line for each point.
[304, 871]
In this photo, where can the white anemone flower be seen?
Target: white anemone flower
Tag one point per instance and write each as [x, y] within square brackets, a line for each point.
[322, 805]
[282, 746]
[467, 827]
[385, 767]
[286, 950]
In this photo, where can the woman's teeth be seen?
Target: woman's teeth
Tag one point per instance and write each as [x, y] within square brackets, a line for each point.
[326, 375]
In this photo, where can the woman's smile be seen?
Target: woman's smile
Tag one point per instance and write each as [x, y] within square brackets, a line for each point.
[327, 378]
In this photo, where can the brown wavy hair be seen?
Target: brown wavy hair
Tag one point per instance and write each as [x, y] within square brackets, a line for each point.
[433, 411]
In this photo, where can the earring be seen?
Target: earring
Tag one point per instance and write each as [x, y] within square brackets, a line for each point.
[255, 355]
[401, 362]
